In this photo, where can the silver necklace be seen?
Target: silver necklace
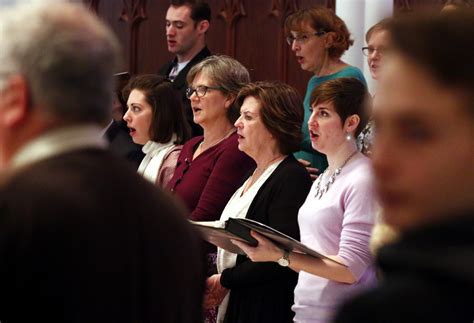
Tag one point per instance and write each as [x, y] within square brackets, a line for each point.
[320, 191]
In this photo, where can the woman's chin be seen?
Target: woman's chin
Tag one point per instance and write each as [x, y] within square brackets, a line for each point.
[139, 141]
[197, 120]
[242, 147]
[316, 147]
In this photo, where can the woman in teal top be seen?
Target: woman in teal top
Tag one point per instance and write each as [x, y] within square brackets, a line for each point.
[318, 38]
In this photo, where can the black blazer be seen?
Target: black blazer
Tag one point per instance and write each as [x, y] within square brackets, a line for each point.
[83, 238]
[181, 85]
[263, 291]
[428, 276]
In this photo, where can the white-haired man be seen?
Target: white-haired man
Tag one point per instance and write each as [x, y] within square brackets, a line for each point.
[82, 237]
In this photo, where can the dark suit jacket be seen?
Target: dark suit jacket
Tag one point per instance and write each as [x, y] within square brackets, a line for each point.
[428, 276]
[263, 291]
[181, 85]
[121, 144]
[83, 238]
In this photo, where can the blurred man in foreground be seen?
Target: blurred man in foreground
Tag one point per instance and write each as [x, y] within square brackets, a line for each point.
[83, 238]
[424, 163]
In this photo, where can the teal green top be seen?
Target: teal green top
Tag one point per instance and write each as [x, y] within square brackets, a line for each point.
[307, 152]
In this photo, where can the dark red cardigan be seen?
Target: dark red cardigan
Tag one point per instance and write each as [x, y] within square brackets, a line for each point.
[207, 183]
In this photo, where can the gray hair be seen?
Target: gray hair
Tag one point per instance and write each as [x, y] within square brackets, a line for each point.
[225, 72]
[66, 55]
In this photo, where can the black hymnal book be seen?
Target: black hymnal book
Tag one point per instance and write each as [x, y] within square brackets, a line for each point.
[220, 233]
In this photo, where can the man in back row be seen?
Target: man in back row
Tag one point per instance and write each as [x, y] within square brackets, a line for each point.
[187, 22]
[83, 238]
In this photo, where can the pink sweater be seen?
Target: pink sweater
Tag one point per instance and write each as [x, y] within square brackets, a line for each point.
[340, 224]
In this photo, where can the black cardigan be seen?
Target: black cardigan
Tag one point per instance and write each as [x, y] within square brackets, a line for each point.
[263, 291]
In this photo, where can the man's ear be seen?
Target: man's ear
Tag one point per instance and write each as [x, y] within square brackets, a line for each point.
[14, 101]
[352, 122]
[203, 26]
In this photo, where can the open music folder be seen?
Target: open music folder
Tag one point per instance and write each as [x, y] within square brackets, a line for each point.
[219, 233]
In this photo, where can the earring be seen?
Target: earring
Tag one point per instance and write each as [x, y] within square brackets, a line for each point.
[348, 136]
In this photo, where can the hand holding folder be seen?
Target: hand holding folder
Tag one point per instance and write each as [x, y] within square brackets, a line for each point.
[220, 233]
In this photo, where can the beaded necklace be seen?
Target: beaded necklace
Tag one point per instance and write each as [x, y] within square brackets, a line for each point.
[320, 191]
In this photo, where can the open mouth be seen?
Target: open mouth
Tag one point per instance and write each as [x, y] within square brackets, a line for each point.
[313, 135]
[196, 109]
[132, 131]
[300, 59]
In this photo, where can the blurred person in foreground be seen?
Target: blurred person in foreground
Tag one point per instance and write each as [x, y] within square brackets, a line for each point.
[83, 238]
[424, 166]
[451, 5]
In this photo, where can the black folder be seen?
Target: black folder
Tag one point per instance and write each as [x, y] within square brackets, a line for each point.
[220, 233]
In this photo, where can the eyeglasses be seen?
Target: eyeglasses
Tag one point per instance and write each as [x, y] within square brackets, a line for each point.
[303, 38]
[370, 50]
[200, 90]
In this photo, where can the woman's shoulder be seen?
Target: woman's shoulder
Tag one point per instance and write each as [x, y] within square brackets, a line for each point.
[291, 170]
[290, 163]
[188, 147]
[173, 152]
[347, 71]
[351, 71]
[359, 171]
[193, 141]
[227, 152]
[229, 145]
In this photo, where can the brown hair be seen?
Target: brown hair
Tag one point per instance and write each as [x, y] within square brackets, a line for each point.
[348, 95]
[417, 37]
[121, 80]
[225, 72]
[167, 111]
[281, 110]
[321, 18]
[200, 10]
[381, 25]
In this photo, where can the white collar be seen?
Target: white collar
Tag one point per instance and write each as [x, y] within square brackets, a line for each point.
[152, 147]
[59, 141]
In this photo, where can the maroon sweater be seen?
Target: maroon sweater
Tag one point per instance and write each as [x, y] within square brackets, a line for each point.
[207, 183]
